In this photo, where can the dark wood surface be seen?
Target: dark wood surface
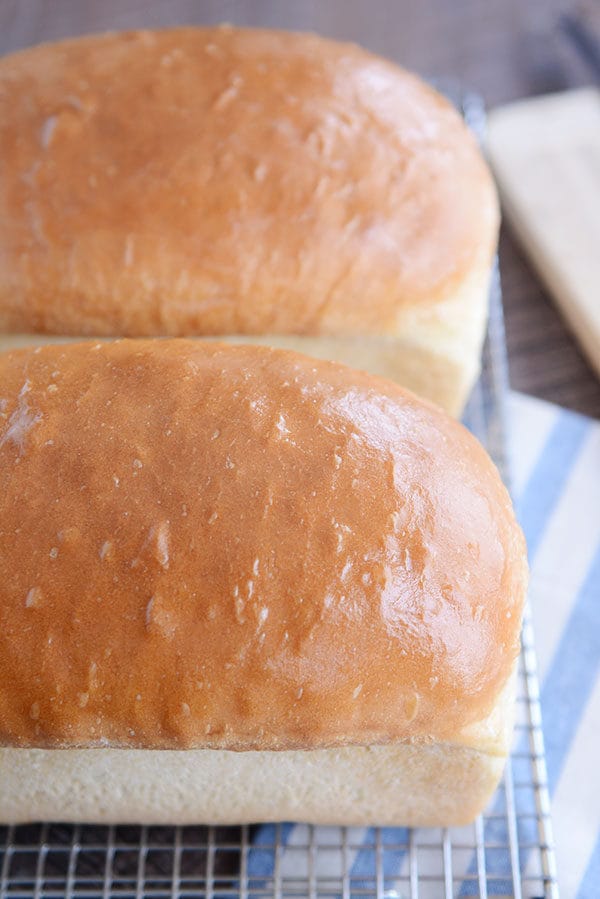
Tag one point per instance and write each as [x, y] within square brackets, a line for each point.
[505, 49]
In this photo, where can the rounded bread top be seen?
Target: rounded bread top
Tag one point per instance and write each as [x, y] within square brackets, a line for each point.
[243, 548]
[230, 181]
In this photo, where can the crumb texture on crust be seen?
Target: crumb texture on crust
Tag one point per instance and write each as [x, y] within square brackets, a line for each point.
[243, 548]
[402, 785]
[230, 181]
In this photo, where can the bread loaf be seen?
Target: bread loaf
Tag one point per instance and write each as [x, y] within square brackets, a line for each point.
[223, 564]
[279, 187]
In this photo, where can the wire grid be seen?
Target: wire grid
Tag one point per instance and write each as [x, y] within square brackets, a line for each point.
[508, 851]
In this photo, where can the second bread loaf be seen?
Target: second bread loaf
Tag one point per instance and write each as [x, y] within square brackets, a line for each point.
[272, 186]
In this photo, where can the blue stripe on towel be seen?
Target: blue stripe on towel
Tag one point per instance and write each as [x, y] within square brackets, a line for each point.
[364, 868]
[590, 885]
[572, 674]
[261, 855]
[550, 474]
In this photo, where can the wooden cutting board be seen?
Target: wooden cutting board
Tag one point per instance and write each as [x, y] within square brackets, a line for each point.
[545, 153]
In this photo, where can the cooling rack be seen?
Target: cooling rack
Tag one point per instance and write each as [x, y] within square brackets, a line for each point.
[508, 851]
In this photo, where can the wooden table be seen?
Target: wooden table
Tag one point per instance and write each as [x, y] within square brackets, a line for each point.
[503, 48]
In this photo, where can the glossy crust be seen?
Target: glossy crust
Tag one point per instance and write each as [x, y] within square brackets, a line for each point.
[230, 181]
[243, 548]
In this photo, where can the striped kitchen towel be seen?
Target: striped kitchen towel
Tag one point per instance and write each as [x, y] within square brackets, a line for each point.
[555, 462]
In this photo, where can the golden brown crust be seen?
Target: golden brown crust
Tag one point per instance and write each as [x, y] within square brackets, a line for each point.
[230, 181]
[243, 548]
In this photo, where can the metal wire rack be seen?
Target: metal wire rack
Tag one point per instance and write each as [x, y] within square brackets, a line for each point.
[508, 850]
